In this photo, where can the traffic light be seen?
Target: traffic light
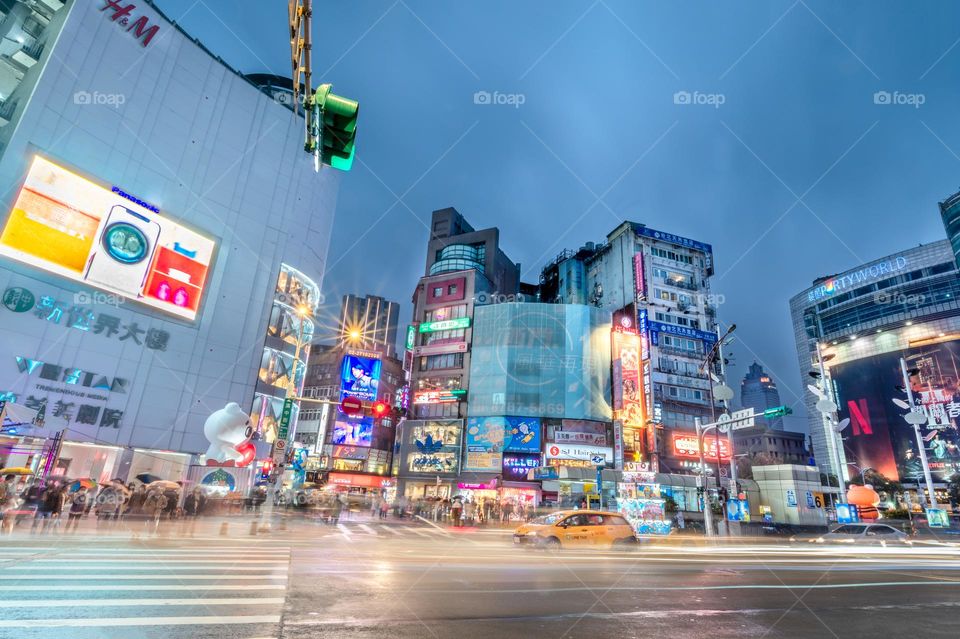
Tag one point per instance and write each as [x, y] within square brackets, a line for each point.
[380, 409]
[267, 468]
[331, 127]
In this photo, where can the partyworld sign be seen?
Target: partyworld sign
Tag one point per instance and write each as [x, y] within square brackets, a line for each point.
[853, 279]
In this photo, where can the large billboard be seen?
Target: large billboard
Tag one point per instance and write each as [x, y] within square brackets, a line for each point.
[67, 225]
[359, 377]
[523, 435]
[485, 436]
[878, 437]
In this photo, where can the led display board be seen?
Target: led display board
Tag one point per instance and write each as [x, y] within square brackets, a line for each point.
[67, 225]
[878, 436]
[359, 377]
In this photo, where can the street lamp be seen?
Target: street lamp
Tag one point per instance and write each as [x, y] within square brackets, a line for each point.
[916, 417]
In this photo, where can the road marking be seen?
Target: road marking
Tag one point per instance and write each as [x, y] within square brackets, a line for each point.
[344, 531]
[418, 532]
[101, 588]
[206, 562]
[368, 529]
[815, 586]
[392, 530]
[197, 601]
[138, 621]
[147, 576]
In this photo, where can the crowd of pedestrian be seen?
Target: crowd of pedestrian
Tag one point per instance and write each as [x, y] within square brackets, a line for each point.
[51, 503]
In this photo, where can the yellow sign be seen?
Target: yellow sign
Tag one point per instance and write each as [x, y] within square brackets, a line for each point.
[818, 500]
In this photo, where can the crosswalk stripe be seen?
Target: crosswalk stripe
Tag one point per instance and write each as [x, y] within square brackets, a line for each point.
[139, 621]
[419, 532]
[209, 562]
[151, 576]
[368, 529]
[344, 531]
[196, 601]
[392, 530]
[158, 587]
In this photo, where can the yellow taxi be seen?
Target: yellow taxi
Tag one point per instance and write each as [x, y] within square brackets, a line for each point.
[576, 529]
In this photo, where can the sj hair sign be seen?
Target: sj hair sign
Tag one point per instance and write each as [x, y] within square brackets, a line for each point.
[856, 278]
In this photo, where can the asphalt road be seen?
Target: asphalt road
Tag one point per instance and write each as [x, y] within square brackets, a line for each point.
[398, 580]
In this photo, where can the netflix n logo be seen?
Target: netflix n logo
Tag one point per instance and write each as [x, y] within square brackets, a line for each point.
[122, 14]
[859, 417]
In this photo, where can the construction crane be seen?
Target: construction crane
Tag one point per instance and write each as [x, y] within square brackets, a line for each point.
[330, 120]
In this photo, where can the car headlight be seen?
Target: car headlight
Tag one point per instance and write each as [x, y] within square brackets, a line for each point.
[532, 533]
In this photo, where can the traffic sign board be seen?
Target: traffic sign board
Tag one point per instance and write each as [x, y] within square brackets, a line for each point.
[351, 405]
[284, 427]
[280, 443]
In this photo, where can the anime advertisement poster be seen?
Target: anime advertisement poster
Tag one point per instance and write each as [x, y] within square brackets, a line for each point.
[485, 437]
[878, 436]
[359, 377]
[628, 391]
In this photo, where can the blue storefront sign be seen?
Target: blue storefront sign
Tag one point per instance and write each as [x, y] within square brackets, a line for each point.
[680, 331]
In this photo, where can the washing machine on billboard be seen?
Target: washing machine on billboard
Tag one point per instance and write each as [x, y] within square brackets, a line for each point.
[123, 252]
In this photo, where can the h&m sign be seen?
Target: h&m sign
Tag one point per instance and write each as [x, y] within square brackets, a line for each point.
[123, 15]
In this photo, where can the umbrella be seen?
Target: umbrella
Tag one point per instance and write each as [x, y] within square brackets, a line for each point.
[82, 483]
[163, 484]
[147, 478]
[16, 470]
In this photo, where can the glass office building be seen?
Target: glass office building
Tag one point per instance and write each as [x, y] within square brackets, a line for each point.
[540, 360]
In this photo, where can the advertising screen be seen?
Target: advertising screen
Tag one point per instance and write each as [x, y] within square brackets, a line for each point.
[516, 467]
[485, 436]
[359, 377]
[627, 390]
[685, 445]
[354, 432]
[878, 437]
[523, 435]
[67, 225]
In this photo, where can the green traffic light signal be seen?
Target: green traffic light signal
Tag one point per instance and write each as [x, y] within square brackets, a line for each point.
[334, 128]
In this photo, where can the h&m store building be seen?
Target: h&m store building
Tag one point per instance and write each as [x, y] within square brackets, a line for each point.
[155, 220]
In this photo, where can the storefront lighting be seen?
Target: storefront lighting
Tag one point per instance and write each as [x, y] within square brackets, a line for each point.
[445, 325]
[87, 445]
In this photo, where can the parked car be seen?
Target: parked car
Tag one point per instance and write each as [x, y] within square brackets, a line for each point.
[862, 533]
[576, 528]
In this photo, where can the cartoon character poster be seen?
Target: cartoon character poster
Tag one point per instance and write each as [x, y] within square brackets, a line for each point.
[522, 435]
[360, 377]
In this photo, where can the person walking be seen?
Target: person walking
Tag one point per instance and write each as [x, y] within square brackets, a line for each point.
[78, 505]
[456, 511]
[8, 503]
[51, 505]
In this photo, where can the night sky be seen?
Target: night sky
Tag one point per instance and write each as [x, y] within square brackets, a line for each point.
[787, 165]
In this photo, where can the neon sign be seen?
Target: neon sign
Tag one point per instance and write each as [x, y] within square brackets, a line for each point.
[855, 278]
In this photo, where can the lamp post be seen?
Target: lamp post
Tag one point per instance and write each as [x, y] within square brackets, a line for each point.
[719, 392]
[915, 418]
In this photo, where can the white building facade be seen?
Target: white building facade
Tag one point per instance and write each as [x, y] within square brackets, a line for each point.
[151, 195]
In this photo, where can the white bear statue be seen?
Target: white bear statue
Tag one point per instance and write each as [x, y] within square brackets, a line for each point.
[229, 431]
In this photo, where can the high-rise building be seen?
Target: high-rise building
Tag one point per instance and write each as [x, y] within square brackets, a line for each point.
[853, 328]
[463, 267]
[369, 322]
[656, 285]
[150, 270]
[759, 392]
[950, 214]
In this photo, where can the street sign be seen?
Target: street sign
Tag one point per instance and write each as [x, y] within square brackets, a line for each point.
[351, 405]
[818, 500]
[284, 427]
[742, 418]
[598, 460]
[279, 451]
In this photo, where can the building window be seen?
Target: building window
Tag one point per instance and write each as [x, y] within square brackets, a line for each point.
[452, 289]
[438, 291]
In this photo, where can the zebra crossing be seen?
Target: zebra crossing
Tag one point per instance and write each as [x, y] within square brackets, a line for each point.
[127, 589]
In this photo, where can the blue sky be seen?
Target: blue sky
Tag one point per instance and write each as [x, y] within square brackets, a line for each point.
[798, 173]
